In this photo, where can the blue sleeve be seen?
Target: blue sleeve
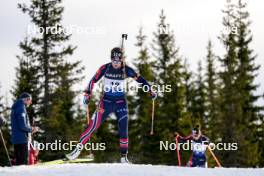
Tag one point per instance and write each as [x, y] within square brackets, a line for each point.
[132, 74]
[205, 139]
[21, 116]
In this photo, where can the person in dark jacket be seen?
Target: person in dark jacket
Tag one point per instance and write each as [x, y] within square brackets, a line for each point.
[21, 128]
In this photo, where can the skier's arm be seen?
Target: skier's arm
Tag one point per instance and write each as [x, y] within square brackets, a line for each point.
[132, 74]
[184, 139]
[205, 140]
[98, 75]
[21, 120]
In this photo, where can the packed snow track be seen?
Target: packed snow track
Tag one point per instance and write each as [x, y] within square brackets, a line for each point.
[124, 170]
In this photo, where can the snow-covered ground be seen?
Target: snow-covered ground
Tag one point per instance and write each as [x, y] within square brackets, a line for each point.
[123, 170]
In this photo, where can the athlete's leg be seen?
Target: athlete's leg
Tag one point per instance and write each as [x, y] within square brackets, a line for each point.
[198, 161]
[121, 112]
[202, 161]
[102, 112]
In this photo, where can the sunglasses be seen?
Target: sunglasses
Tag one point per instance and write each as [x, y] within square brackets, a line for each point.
[116, 61]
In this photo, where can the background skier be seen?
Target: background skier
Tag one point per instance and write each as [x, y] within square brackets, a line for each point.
[199, 144]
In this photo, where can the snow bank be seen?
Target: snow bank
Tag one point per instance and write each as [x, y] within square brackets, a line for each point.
[123, 170]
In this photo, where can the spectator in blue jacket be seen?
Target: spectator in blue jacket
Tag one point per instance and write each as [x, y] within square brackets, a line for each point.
[21, 128]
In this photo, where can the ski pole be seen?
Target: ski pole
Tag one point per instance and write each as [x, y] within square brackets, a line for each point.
[87, 114]
[178, 151]
[124, 37]
[215, 158]
[152, 117]
[5, 148]
[90, 155]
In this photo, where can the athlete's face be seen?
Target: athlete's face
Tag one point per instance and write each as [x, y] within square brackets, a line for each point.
[116, 63]
[196, 134]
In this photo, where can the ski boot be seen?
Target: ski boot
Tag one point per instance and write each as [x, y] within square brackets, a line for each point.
[75, 153]
[124, 159]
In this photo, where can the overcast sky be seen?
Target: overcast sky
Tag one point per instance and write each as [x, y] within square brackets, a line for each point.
[193, 22]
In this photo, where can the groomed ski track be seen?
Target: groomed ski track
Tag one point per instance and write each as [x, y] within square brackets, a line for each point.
[108, 169]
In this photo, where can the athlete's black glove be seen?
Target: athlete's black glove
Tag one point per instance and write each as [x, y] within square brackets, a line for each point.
[153, 95]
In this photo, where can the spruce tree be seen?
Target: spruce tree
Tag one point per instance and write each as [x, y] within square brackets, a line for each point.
[27, 78]
[47, 46]
[142, 142]
[47, 53]
[195, 96]
[189, 83]
[229, 100]
[239, 112]
[171, 104]
[247, 71]
[211, 99]
[199, 106]
[189, 86]
[211, 86]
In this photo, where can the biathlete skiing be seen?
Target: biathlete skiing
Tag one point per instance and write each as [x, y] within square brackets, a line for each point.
[199, 144]
[112, 101]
